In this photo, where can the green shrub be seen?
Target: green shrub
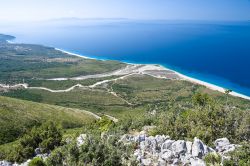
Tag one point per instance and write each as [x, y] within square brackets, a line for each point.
[36, 162]
[47, 137]
[239, 157]
[213, 159]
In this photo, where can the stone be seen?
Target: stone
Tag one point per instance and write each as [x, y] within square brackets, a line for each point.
[142, 137]
[167, 155]
[176, 162]
[146, 162]
[207, 149]
[185, 159]
[189, 147]
[179, 147]
[229, 148]
[5, 163]
[167, 144]
[221, 143]
[198, 149]
[143, 145]
[37, 151]
[197, 162]
[161, 162]
[81, 139]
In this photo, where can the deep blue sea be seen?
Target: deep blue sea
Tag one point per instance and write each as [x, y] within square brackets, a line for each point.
[215, 52]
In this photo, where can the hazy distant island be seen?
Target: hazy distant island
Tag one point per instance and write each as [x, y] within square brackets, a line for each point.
[59, 108]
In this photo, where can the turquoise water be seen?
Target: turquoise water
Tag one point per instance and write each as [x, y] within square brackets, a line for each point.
[215, 52]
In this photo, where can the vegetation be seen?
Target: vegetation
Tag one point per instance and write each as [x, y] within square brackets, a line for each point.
[37, 162]
[239, 157]
[18, 116]
[47, 137]
[28, 62]
[213, 159]
[178, 108]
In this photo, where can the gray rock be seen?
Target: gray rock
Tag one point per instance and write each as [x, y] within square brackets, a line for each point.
[143, 145]
[179, 147]
[197, 162]
[167, 155]
[185, 159]
[167, 144]
[146, 162]
[161, 162]
[5, 163]
[37, 151]
[229, 148]
[142, 137]
[176, 162]
[221, 143]
[198, 149]
[208, 149]
[189, 147]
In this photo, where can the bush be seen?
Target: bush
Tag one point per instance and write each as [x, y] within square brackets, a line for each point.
[47, 137]
[213, 159]
[239, 157]
[36, 162]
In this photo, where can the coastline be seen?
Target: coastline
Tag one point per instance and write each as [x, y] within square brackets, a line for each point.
[182, 76]
[157, 66]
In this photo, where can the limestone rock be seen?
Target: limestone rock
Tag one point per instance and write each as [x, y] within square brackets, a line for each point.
[189, 147]
[221, 143]
[37, 151]
[198, 149]
[146, 162]
[167, 144]
[167, 155]
[197, 162]
[179, 147]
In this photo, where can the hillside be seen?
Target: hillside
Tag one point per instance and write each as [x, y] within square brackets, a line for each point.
[47, 120]
[18, 116]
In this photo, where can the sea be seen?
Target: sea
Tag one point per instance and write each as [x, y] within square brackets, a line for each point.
[217, 52]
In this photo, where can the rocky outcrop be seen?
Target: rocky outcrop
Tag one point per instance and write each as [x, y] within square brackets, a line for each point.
[161, 150]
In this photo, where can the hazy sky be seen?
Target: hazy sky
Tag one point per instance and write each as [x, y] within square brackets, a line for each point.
[19, 10]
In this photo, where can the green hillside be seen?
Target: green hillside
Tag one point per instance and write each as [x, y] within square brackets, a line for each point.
[18, 116]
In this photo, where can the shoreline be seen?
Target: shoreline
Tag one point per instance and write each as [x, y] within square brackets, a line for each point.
[182, 76]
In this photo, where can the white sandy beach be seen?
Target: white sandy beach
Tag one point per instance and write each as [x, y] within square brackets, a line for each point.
[154, 67]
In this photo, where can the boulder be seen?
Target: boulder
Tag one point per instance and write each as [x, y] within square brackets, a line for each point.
[161, 162]
[142, 137]
[197, 162]
[37, 151]
[5, 163]
[167, 144]
[167, 155]
[179, 147]
[189, 147]
[198, 149]
[151, 143]
[146, 162]
[229, 148]
[221, 143]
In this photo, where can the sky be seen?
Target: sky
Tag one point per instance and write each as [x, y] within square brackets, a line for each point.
[35, 10]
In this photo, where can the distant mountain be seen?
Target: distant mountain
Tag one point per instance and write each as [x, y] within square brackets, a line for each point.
[6, 37]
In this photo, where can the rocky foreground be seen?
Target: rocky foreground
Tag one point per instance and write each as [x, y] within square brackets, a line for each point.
[161, 150]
